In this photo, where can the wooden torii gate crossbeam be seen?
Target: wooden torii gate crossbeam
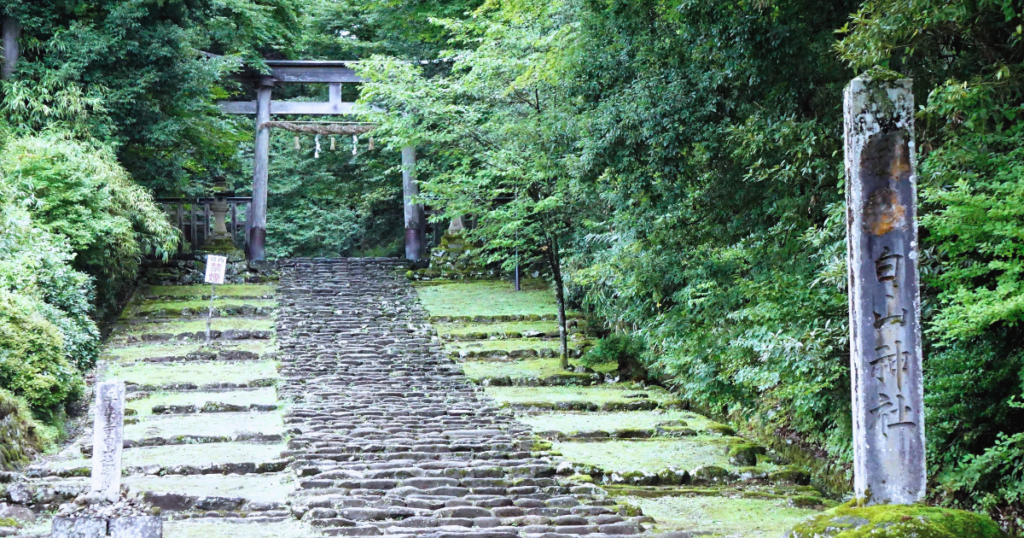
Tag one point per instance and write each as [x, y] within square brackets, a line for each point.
[334, 74]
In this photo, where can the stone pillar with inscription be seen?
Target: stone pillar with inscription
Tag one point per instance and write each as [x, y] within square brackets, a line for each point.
[108, 440]
[885, 305]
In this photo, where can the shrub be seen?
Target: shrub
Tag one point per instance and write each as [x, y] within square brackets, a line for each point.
[622, 349]
[78, 190]
[33, 363]
[36, 263]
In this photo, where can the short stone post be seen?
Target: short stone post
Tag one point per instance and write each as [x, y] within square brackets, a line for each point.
[102, 512]
[108, 440]
[885, 304]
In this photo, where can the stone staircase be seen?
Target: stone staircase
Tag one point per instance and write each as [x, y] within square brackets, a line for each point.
[390, 438]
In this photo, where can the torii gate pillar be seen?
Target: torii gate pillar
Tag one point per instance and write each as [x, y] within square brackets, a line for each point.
[257, 226]
[415, 224]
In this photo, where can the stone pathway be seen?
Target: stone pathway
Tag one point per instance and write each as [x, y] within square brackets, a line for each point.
[326, 405]
[391, 438]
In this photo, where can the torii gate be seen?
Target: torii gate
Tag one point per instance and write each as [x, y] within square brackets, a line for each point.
[334, 74]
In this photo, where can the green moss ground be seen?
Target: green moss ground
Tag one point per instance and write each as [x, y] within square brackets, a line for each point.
[177, 349]
[650, 455]
[894, 521]
[191, 326]
[198, 305]
[572, 422]
[747, 518]
[260, 488]
[487, 298]
[200, 454]
[599, 394]
[530, 369]
[239, 397]
[203, 290]
[193, 372]
[170, 455]
[509, 344]
[520, 327]
[205, 424]
[205, 528]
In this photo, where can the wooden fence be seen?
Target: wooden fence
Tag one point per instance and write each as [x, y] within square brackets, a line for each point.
[195, 220]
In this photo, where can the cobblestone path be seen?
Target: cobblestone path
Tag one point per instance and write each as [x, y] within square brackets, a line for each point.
[389, 437]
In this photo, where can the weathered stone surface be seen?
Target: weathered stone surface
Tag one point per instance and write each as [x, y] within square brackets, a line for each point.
[885, 303]
[79, 527]
[108, 440]
[391, 431]
[136, 527]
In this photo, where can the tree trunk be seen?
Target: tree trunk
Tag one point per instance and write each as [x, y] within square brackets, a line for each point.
[556, 273]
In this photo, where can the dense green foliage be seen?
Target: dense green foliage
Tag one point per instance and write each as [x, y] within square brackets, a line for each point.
[688, 158]
[132, 74]
[78, 190]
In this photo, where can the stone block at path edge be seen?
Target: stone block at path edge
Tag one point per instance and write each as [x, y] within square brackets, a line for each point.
[896, 521]
[97, 527]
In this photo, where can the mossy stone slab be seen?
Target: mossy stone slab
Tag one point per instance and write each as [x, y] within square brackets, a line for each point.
[596, 395]
[176, 349]
[650, 455]
[172, 307]
[523, 369]
[897, 521]
[570, 422]
[196, 373]
[496, 329]
[488, 298]
[258, 488]
[262, 396]
[211, 528]
[205, 424]
[198, 454]
[196, 325]
[722, 516]
[198, 291]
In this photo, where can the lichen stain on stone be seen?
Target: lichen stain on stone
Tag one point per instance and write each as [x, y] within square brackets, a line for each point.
[884, 212]
[885, 162]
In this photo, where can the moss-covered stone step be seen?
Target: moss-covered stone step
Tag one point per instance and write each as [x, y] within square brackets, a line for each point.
[237, 328]
[213, 458]
[535, 372]
[897, 521]
[221, 308]
[198, 336]
[653, 455]
[146, 376]
[571, 422]
[259, 488]
[585, 436]
[485, 331]
[607, 397]
[212, 407]
[202, 291]
[510, 349]
[206, 425]
[253, 525]
[261, 399]
[722, 515]
[497, 318]
[139, 391]
[489, 300]
[179, 351]
[704, 475]
[195, 440]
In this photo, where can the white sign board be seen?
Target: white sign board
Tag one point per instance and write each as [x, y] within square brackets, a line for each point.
[215, 266]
